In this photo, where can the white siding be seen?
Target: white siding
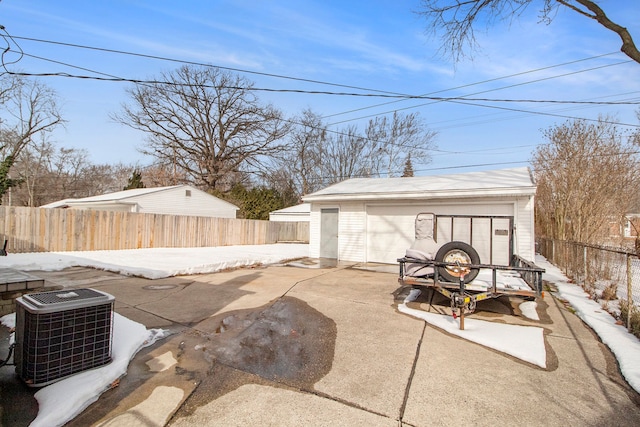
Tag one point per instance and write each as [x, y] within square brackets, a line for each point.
[174, 201]
[314, 231]
[525, 228]
[289, 217]
[113, 207]
[381, 232]
[352, 232]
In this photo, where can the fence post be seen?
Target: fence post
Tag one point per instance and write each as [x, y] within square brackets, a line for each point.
[630, 305]
[584, 260]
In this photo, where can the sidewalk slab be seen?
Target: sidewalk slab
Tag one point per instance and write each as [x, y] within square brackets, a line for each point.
[375, 345]
[261, 405]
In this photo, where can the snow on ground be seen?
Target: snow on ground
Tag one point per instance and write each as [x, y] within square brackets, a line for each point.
[158, 263]
[80, 390]
[63, 400]
[625, 346]
[523, 342]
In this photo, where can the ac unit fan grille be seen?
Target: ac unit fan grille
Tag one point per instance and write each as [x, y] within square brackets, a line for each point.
[61, 343]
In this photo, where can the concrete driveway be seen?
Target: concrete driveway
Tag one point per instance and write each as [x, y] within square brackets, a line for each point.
[322, 344]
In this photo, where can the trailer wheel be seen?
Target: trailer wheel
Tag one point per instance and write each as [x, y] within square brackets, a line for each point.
[457, 252]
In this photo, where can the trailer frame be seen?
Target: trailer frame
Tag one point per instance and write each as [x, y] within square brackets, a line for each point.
[464, 297]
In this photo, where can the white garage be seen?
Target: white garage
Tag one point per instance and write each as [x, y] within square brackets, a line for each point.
[372, 219]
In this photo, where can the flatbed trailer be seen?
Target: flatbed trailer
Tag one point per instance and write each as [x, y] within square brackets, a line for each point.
[464, 296]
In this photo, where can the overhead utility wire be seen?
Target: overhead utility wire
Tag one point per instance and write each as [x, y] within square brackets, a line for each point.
[478, 83]
[240, 70]
[544, 114]
[111, 78]
[380, 93]
[287, 120]
[234, 69]
[267, 74]
[484, 91]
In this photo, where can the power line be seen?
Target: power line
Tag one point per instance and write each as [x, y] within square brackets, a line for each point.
[480, 82]
[240, 70]
[109, 78]
[378, 93]
[547, 114]
[485, 91]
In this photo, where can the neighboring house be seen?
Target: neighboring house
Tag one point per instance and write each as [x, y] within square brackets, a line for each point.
[295, 213]
[173, 200]
[631, 226]
[372, 219]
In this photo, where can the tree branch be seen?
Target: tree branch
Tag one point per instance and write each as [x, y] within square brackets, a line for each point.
[628, 45]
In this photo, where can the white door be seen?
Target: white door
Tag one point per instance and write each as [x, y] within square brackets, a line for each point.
[391, 229]
[329, 233]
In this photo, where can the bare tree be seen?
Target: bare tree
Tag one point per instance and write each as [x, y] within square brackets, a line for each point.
[205, 123]
[348, 154]
[395, 139]
[163, 175]
[298, 169]
[457, 19]
[318, 157]
[49, 174]
[32, 169]
[585, 175]
[27, 108]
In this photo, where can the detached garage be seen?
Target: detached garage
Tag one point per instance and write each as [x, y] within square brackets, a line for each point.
[373, 219]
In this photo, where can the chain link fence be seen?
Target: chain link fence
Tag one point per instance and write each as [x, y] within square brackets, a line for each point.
[606, 273]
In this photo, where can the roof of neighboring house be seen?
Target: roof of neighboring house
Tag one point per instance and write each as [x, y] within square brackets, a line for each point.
[122, 196]
[504, 182]
[302, 208]
[125, 194]
[58, 204]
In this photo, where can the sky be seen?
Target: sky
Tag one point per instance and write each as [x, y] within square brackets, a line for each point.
[354, 47]
[82, 389]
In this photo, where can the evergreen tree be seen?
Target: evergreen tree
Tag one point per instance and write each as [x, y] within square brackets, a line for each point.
[135, 181]
[255, 203]
[5, 181]
[408, 168]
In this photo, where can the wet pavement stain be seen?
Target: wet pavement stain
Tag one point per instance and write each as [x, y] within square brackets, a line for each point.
[287, 342]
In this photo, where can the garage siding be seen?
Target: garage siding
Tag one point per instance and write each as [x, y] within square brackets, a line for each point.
[352, 235]
[314, 231]
[375, 232]
[525, 241]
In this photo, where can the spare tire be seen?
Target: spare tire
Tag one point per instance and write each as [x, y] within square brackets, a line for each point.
[457, 252]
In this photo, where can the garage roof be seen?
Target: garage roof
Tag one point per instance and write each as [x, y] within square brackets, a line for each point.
[503, 182]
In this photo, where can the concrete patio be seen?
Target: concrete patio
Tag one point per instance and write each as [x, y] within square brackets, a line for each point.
[348, 357]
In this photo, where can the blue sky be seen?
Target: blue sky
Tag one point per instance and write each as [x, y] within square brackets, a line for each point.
[375, 44]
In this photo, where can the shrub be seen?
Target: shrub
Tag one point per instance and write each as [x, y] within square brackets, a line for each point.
[630, 310]
[610, 292]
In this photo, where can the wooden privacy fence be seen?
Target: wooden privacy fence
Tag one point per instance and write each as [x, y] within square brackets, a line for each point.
[52, 230]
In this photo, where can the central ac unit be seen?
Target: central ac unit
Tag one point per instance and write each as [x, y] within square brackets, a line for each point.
[61, 333]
